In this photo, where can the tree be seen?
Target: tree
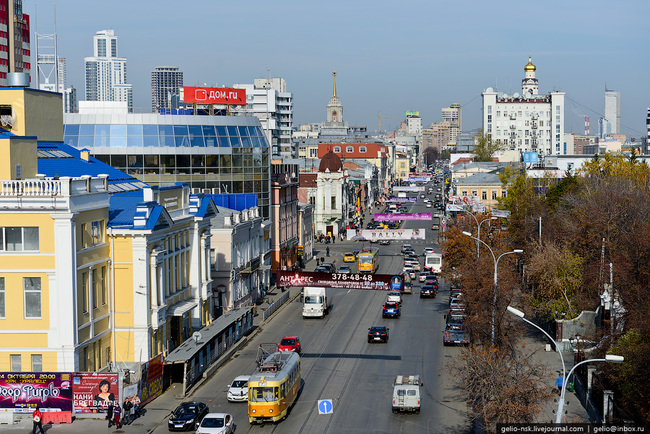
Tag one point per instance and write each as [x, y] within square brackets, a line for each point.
[485, 147]
[431, 155]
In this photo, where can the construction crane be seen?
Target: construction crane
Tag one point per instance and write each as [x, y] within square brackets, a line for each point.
[380, 117]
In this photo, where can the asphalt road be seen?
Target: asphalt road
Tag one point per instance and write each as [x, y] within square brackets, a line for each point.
[340, 365]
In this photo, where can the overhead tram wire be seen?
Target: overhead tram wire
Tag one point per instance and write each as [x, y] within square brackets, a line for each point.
[602, 116]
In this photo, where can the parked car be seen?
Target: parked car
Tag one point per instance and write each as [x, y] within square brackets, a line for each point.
[238, 389]
[290, 343]
[321, 270]
[457, 305]
[187, 416]
[394, 297]
[457, 334]
[344, 269]
[378, 334]
[217, 423]
[391, 310]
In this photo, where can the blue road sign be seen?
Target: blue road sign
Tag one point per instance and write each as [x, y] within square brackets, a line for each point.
[325, 406]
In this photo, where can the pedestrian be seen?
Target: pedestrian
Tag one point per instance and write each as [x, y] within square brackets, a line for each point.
[559, 382]
[128, 407]
[117, 412]
[136, 405]
[328, 251]
[109, 414]
[38, 421]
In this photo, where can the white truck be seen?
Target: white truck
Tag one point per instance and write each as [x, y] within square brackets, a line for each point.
[406, 393]
[316, 302]
[433, 262]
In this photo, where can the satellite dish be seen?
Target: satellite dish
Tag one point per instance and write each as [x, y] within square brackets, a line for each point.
[196, 336]
[489, 89]
[516, 95]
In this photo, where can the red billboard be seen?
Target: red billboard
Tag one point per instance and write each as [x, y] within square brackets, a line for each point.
[377, 282]
[23, 392]
[214, 95]
[92, 392]
[151, 379]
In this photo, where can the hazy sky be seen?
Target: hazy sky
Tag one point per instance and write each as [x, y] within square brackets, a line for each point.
[390, 56]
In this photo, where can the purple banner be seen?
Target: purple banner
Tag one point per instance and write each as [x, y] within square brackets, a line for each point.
[377, 282]
[401, 199]
[23, 392]
[405, 216]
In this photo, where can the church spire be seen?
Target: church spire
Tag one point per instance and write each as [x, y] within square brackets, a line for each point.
[334, 75]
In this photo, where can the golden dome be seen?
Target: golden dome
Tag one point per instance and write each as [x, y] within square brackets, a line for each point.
[530, 67]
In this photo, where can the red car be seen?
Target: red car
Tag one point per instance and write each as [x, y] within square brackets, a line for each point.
[290, 343]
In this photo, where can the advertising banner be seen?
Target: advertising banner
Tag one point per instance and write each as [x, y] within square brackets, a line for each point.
[393, 199]
[404, 216]
[151, 379]
[23, 392]
[407, 188]
[377, 282]
[92, 392]
[385, 234]
[453, 207]
[500, 213]
[419, 179]
[214, 95]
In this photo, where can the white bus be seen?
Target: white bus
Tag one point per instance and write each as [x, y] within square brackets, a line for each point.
[433, 262]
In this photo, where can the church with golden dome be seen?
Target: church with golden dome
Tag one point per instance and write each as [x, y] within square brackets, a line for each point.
[526, 121]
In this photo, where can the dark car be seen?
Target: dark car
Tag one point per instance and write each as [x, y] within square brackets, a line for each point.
[428, 291]
[391, 310]
[431, 279]
[187, 416]
[456, 334]
[378, 334]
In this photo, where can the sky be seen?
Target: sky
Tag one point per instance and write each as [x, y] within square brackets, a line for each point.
[390, 56]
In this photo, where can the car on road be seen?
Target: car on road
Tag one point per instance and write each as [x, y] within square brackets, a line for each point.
[428, 291]
[423, 276]
[435, 227]
[344, 269]
[427, 250]
[407, 288]
[217, 423]
[429, 205]
[187, 416]
[378, 334]
[238, 389]
[290, 343]
[349, 257]
[414, 264]
[391, 310]
[394, 297]
[321, 270]
[456, 304]
[384, 242]
[407, 268]
[406, 393]
[456, 334]
[422, 196]
[406, 247]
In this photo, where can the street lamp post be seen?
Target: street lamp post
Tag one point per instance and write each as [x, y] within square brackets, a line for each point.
[560, 405]
[496, 264]
[478, 224]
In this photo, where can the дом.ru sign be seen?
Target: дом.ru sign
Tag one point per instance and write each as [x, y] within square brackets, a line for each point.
[214, 95]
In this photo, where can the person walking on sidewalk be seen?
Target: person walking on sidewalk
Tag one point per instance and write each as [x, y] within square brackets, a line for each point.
[559, 382]
[38, 421]
[109, 414]
[117, 412]
[328, 252]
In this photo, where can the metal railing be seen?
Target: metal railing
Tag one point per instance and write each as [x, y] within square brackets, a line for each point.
[275, 305]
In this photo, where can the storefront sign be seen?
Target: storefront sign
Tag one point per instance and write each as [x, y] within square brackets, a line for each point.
[405, 216]
[151, 379]
[92, 392]
[385, 234]
[214, 95]
[377, 282]
[23, 392]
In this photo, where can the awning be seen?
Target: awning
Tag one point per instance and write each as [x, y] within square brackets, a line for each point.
[180, 308]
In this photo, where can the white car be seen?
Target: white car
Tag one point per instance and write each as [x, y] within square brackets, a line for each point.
[427, 250]
[408, 269]
[216, 423]
[394, 297]
[238, 389]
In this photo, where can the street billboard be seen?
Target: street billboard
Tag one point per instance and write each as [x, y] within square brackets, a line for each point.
[419, 179]
[500, 213]
[389, 217]
[407, 188]
[92, 392]
[377, 282]
[151, 379]
[23, 392]
[393, 199]
[214, 95]
[385, 234]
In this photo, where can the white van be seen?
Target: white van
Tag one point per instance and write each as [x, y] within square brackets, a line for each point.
[406, 393]
[392, 207]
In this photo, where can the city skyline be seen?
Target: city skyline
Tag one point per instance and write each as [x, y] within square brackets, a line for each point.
[389, 58]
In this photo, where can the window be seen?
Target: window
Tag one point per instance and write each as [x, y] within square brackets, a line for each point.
[84, 294]
[103, 286]
[2, 297]
[333, 202]
[15, 363]
[494, 195]
[337, 149]
[95, 295]
[349, 149]
[464, 193]
[32, 290]
[484, 195]
[474, 193]
[37, 362]
[97, 232]
[18, 239]
[504, 193]
[363, 149]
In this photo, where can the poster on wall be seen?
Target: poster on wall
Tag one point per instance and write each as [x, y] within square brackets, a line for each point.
[151, 379]
[23, 392]
[92, 392]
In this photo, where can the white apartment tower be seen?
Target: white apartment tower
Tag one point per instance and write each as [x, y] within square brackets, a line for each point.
[106, 72]
[528, 122]
[613, 111]
[268, 100]
[166, 84]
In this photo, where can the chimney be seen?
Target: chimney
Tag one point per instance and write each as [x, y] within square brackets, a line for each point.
[84, 155]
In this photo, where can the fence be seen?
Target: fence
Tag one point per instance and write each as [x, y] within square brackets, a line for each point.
[275, 305]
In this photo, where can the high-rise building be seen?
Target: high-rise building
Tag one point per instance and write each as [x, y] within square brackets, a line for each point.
[526, 122]
[14, 43]
[166, 82]
[106, 72]
[613, 110]
[452, 114]
[269, 101]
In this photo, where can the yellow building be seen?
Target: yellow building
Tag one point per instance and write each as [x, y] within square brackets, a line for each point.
[401, 166]
[86, 250]
[483, 189]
